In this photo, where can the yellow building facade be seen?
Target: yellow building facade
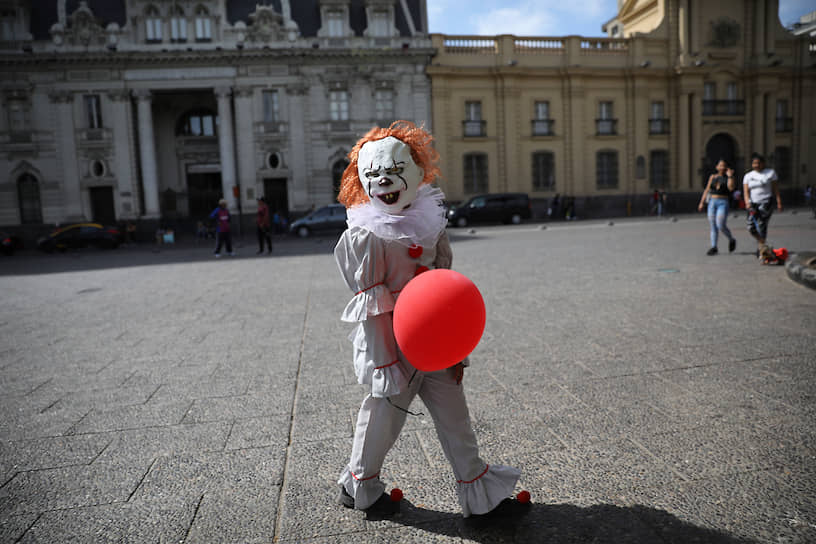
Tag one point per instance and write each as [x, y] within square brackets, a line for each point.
[610, 120]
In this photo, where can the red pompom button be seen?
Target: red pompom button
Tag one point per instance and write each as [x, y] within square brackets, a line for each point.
[523, 497]
[420, 270]
[396, 494]
[415, 251]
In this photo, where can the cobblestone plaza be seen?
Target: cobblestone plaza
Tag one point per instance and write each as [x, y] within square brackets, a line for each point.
[647, 392]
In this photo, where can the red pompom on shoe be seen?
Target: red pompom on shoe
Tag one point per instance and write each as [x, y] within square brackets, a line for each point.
[523, 497]
[396, 494]
[415, 251]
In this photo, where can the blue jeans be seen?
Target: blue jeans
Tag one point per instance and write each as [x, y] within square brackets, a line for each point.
[717, 216]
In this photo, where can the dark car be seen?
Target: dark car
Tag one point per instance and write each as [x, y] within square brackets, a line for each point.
[81, 235]
[9, 243]
[331, 218]
[491, 208]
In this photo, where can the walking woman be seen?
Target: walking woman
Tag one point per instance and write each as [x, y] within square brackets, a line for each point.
[719, 188]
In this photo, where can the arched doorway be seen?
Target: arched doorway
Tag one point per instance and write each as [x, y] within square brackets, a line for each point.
[720, 146]
[28, 196]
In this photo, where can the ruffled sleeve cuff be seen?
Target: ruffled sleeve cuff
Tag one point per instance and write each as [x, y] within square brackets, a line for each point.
[370, 301]
[486, 491]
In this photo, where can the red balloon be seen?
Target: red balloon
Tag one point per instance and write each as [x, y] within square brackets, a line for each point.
[439, 319]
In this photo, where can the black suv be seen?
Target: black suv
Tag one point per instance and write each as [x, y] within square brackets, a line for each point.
[492, 208]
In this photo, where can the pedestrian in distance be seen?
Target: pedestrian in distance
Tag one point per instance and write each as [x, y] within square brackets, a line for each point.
[262, 222]
[718, 189]
[223, 235]
[760, 186]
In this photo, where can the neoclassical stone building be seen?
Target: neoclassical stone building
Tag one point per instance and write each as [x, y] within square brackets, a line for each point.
[610, 120]
[153, 109]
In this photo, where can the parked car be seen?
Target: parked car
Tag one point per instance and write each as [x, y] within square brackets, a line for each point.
[491, 208]
[81, 235]
[331, 218]
[10, 243]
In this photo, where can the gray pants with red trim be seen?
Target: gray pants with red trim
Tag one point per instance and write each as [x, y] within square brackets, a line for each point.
[379, 423]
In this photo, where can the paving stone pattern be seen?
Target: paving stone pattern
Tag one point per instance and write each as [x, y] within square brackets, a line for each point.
[648, 392]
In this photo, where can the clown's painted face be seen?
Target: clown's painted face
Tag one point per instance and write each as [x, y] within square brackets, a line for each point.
[389, 175]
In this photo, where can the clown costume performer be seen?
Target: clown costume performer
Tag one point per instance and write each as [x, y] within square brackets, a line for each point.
[396, 229]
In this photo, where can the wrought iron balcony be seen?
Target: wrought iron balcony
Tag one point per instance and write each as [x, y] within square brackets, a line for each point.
[605, 127]
[723, 107]
[784, 124]
[543, 127]
[472, 129]
[658, 126]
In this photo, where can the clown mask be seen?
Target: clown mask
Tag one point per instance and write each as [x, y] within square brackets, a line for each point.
[389, 174]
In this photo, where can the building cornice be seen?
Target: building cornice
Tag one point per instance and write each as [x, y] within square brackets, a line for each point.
[238, 57]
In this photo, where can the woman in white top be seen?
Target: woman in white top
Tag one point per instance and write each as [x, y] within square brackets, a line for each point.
[759, 186]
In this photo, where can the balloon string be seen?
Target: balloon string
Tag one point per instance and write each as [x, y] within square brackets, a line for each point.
[403, 409]
[412, 377]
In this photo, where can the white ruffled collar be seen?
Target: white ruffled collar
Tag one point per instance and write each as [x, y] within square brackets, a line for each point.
[421, 224]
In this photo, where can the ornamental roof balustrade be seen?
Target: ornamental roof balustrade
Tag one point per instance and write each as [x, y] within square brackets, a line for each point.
[546, 51]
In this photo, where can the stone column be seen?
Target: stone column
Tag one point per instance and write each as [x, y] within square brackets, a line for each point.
[147, 153]
[72, 197]
[226, 145]
[684, 158]
[297, 123]
[245, 144]
[127, 197]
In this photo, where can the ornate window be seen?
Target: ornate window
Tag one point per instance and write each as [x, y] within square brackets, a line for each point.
[379, 26]
[473, 125]
[543, 171]
[153, 25]
[197, 123]
[178, 25]
[339, 105]
[28, 195]
[384, 104]
[8, 19]
[542, 124]
[475, 169]
[271, 106]
[605, 123]
[93, 110]
[606, 168]
[335, 27]
[203, 25]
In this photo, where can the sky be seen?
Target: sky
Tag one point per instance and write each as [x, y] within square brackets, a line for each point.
[546, 17]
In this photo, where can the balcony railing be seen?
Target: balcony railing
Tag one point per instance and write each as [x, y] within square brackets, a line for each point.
[784, 124]
[605, 127]
[543, 127]
[723, 107]
[658, 126]
[340, 126]
[474, 129]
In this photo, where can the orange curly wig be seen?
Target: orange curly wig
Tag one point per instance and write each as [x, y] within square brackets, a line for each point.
[417, 138]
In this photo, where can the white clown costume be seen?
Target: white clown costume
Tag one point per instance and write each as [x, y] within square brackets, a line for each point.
[391, 238]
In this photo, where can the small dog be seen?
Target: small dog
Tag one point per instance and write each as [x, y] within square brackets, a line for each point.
[769, 255]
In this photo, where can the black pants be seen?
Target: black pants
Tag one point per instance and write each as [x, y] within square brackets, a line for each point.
[264, 236]
[223, 238]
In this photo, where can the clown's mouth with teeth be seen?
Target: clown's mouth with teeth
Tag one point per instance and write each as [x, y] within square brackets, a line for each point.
[390, 198]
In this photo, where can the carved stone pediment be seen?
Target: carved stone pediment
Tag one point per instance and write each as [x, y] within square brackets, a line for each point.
[725, 32]
[84, 28]
[266, 25]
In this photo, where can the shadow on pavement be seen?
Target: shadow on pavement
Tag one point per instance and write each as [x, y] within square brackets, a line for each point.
[564, 524]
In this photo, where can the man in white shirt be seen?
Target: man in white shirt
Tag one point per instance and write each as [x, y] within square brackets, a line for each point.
[759, 186]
